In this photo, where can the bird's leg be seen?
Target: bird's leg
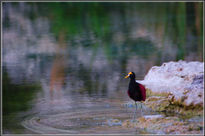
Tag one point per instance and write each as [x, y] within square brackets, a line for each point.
[141, 109]
[134, 116]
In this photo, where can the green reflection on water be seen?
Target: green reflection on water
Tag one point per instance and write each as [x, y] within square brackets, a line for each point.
[175, 20]
[16, 98]
[181, 29]
[74, 18]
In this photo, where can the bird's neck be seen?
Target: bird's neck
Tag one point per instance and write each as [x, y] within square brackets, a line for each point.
[132, 81]
[132, 85]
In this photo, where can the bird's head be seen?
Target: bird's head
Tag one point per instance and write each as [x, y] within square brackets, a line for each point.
[131, 75]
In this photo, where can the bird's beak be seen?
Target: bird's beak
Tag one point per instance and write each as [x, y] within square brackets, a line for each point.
[127, 76]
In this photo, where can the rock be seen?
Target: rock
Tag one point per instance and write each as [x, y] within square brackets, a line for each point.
[166, 125]
[157, 103]
[152, 116]
[159, 124]
[165, 104]
[114, 122]
[181, 81]
[128, 124]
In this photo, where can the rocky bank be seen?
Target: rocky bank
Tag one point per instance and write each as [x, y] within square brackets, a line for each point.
[176, 87]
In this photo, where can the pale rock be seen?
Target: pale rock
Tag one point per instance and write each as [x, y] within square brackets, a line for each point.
[184, 80]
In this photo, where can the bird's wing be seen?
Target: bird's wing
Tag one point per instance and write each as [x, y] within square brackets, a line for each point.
[143, 92]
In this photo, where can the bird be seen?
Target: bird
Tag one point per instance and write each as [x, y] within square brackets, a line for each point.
[136, 91]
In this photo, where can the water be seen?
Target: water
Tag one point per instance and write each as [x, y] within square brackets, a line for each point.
[64, 63]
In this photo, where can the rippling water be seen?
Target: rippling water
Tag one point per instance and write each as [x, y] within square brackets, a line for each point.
[64, 63]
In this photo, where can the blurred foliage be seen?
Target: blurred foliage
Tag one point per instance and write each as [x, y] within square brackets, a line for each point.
[181, 29]
[16, 97]
[171, 19]
[176, 17]
[73, 18]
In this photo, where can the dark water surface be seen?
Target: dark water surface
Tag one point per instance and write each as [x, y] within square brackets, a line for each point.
[64, 63]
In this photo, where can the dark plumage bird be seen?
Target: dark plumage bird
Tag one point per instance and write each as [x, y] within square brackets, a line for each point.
[136, 91]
